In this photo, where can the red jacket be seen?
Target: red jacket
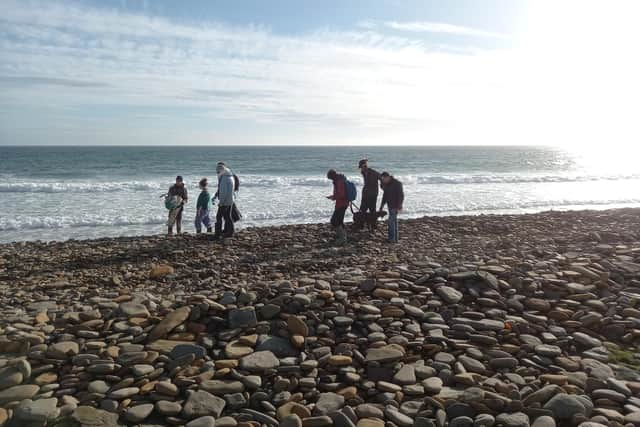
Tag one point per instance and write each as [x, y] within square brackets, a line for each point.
[340, 192]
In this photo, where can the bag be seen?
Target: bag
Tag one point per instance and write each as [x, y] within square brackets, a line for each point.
[172, 202]
[235, 213]
[350, 190]
[236, 182]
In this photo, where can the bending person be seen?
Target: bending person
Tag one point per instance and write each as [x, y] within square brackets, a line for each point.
[394, 197]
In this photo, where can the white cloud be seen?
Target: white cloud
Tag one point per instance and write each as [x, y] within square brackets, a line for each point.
[440, 27]
[336, 83]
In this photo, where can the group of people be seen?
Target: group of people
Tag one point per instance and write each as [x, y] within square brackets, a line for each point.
[227, 213]
[393, 197]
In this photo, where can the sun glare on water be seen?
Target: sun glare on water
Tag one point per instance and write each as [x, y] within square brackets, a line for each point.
[616, 161]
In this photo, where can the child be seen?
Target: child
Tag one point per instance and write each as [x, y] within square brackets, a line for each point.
[202, 207]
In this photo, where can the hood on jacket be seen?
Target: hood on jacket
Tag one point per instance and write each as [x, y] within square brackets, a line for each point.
[223, 171]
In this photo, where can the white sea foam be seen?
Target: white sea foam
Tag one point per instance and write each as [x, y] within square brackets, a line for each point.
[278, 182]
[77, 187]
[510, 178]
[70, 221]
[510, 206]
[290, 214]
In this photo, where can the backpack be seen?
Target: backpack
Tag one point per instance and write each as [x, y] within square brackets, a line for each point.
[236, 182]
[350, 190]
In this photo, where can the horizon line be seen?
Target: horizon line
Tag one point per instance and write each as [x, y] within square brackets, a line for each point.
[282, 145]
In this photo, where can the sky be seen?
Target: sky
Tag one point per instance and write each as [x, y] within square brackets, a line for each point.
[346, 72]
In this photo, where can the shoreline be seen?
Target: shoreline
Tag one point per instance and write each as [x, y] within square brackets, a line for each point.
[241, 227]
[509, 320]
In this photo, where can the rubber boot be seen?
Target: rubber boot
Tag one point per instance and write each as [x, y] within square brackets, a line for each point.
[178, 228]
[170, 231]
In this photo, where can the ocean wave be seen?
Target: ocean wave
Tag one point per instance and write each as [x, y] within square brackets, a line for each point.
[435, 179]
[47, 222]
[276, 182]
[288, 215]
[510, 206]
[78, 187]
[160, 186]
[284, 181]
[510, 178]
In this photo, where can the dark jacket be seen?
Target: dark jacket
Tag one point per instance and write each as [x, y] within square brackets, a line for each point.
[181, 191]
[340, 192]
[371, 179]
[393, 194]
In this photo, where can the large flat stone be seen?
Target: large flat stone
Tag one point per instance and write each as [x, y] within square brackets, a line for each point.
[388, 353]
[18, 393]
[169, 323]
[201, 403]
[259, 361]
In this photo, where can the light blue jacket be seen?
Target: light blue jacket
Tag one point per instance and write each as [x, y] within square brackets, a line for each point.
[225, 188]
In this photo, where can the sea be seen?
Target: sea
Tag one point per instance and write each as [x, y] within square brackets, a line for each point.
[62, 192]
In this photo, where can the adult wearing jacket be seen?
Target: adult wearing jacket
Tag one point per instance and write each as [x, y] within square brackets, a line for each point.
[371, 180]
[341, 203]
[179, 191]
[393, 196]
[225, 203]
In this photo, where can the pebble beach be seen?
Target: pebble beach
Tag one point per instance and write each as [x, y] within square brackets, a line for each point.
[505, 320]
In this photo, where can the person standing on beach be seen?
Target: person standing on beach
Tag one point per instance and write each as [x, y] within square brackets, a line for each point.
[393, 196]
[342, 202]
[175, 215]
[203, 206]
[236, 180]
[370, 188]
[226, 186]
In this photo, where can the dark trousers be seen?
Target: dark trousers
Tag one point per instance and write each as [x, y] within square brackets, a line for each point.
[369, 202]
[337, 219]
[224, 212]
